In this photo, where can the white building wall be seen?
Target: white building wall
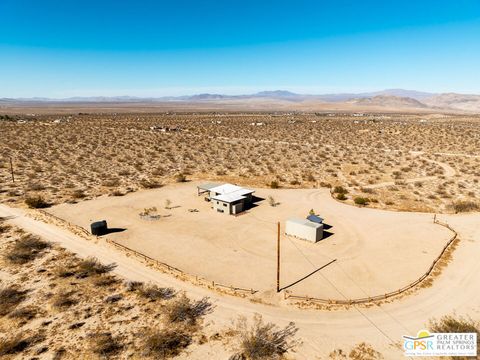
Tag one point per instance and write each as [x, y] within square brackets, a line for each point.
[303, 231]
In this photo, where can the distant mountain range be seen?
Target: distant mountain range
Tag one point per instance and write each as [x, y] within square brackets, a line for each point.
[390, 98]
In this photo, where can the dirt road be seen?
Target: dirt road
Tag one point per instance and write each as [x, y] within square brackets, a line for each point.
[457, 289]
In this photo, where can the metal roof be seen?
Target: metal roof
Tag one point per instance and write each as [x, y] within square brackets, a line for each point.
[229, 198]
[315, 219]
[207, 186]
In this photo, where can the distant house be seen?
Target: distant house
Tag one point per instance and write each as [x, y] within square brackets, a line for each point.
[227, 198]
[305, 229]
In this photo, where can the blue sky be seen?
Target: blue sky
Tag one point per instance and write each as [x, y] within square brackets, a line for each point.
[62, 48]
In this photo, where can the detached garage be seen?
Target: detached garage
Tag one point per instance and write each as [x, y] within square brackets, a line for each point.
[304, 229]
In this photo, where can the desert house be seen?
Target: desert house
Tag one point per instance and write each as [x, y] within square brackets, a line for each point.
[310, 229]
[227, 198]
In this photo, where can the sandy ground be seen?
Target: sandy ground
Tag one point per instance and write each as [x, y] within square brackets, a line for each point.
[376, 251]
[456, 290]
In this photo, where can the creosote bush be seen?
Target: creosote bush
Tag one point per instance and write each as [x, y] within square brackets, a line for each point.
[340, 190]
[150, 184]
[164, 344]
[464, 206]
[153, 292]
[359, 200]
[456, 324]
[262, 341]
[274, 184]
[180, 178]
[26, 249]
[91, 266]
[104, 344]
[36, 202]
[63, 299]
[184, 310]
[18, 343]
[10, 297]
[361, 351]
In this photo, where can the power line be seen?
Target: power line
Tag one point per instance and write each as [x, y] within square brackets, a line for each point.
[356, 308]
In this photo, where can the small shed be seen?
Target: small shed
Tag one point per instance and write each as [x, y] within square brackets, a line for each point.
[304, 229]
[99, 227]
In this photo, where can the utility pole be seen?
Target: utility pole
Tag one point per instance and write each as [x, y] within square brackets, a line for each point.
[11, 169]
[278, 257]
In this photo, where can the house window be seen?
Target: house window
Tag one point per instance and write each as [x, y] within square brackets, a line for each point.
[224, 204]
[220, 210]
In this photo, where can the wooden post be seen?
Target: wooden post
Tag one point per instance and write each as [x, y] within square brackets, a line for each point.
[11, 169]
[278, 257]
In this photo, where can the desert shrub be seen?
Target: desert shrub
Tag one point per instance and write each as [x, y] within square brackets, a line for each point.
[361, 351]
[36, 202]
[18, 343]
[264, 341]
[340, 190]
[450, 323]
[150, 184]
[149, 211]
[78, 194]
[91, 266]
[359, 200]
[104, 280]
[63, 299]
[113, 298]
[104, 344]
[271, 201]
[133, 285]
[117, 193]
[180, 178]
[111, 182]
[188, 311]
[341, 196]
[10, 297]
[168, 204]
[26, 249]
[166, 344]
[65, 270]
[367, 190]
[454, 324]
[4, 228]
[24, 313]
[464, 206]
[364, 351]
[274, 184]
[153, 292]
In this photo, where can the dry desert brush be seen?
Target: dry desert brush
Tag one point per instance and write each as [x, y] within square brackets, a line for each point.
[184, 310]
[37, 202]
[464, 206]
[263, 340]
[26, 249]
[10, 297]
[153, 292]
[102, 343]
[18, 343]
[455, 324]
[163, 344]
[91, 266]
